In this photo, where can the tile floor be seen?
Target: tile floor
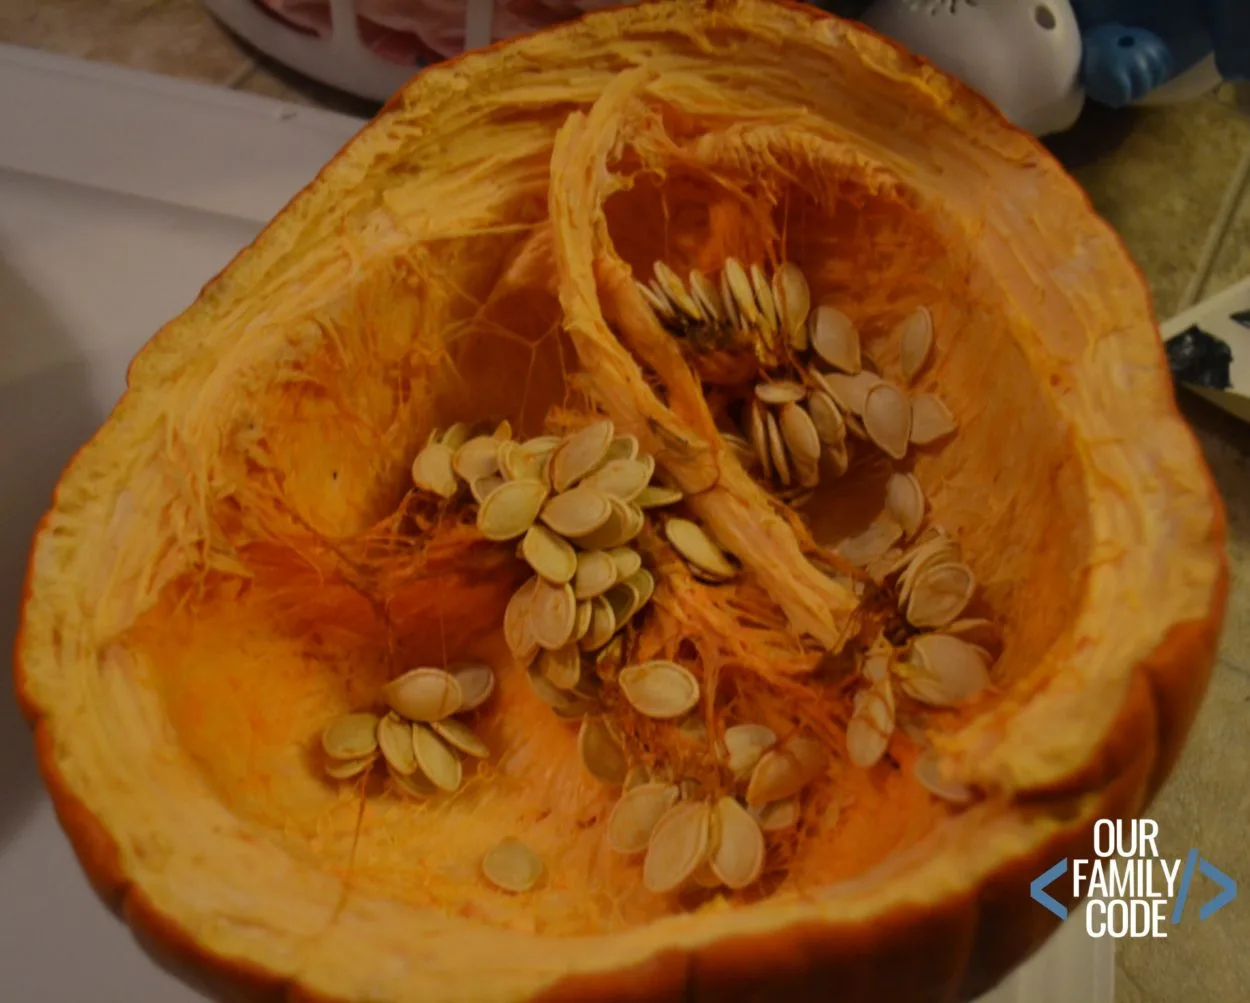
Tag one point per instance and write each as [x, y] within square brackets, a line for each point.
[1162, 177]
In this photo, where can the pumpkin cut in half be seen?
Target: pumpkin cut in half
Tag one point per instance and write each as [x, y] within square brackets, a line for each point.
[688, 504]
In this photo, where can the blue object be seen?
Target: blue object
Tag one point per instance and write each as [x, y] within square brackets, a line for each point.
[1131, 47]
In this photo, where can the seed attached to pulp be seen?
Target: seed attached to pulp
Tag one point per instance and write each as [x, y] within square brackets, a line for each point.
[745, 744]
[887, 419]
[484, 487]
[518, 624]
[440, 765]
[930, 420]
[679, 844]
[636, 814]
[596, 572]
[904, 502]
[834, 339]
[871, 725]
[779, 815]
[780, 392]
[414, 785]
[785, 770]
[793, 297]
[432, 471]
[424, 695]
[849, 392]
[939, 594]
[928, 772]
[738, 856]
[864, 548]
[601, 754]
[351, 736]
[693, 544]
[512, 866]
[577, 512]
[510, 509]
[602, 625]
[943, 671]
[627, 561]
[623, 478]
[562, 667]
[553, 615]
[551, 556]
[395, 739]
[460, 736]
[345, 769]
[478, 458]
[915, 338]
[623, 447]
[659, 689]
[657, 496]
[477, 683]
[580, 454]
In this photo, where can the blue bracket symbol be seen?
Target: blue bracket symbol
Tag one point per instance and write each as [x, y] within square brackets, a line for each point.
[1038, 885]
[1227, 884]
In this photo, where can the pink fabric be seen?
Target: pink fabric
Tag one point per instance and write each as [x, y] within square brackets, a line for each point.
[414, 32]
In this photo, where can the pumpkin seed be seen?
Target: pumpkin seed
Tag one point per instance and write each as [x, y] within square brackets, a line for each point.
[627, 561]
[839, 459]
[739, 854]
[676, 292]
[930, 420]
[455, 436]
[642, 585]
[656, 300]
[601, 754]
[351, 736]
[695, 546]
[777, 450]
[904, 502]
[584, 612]
[943, 671]
[517, 465]
[636, 776]
[460, 736]
[635, 816]
[512, 866]
[834, 339]
[704, 876]
[743, 296]
[849, 392]
[764, 299]
[617, 530]
[517, 623]
[415, 785]
[477, 458]
[540, 445]
[745, 744]
[757, 433]
[887, 419]
[975, 630]
[577, 512]
[483, 487]
[871, 725]
[780, 392]
[551, 556]
[602, 625]
[345, 769]
[596, 572]
[503, 430]
[915, 338]
[395, 739]
[432, 471]
[511, 509]
[707, 296]
[693, 729]
[785, 770]
[864, 548]
[793, 297]
[778, 815]
[562, 667]
[553, 614]
[939, 594]
[826, 418]
[424, 695]
[659, 689]
[657, 496]
[623, 478]
[928, 772]
[739, 446]
[732, 317]
[440, 765]
[799, 432]
[477, 683]
[621, 597]
[623, 447]
[581, 454]
[678, 845]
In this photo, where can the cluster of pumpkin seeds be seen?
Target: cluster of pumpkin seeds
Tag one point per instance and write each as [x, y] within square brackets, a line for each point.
[419, 737]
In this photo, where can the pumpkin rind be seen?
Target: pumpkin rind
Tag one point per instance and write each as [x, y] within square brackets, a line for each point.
[909, 934]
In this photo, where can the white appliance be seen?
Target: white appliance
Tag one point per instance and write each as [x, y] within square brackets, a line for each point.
[121, 194]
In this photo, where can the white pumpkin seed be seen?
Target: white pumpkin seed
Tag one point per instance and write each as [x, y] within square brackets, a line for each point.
[635, 816]
[503, 430]
[477, 458]
[707, 296]
[414, 785]
[540, 445]
[656, 300]
[659, 689]
[865, 547]
[778, 815]
[930, 420]
[748, 311]
[839, 459]
[483, 487]
[848, 392]
[871, 725]
[512, 866]
[676, 292]
[511, 509]
[780, 391]
[834, 339]
[904, 502]
[827, 419]
[455, 436]
[943, 671]
[764, 299]
[346, 769]
[518, 625]
[738, 857]
[351, 736]
[693, 544]
[424, 694]
[939, 594]
[928, 772]
[460, 736]
[581, 454]
[785, 770]
[745, 744]
[553, 614]
[915, 339]
[793, 297]
[432, 471]
[757, 432]
[615, 531]
[551, 556]
[395, 740]
[518, 465]
[777, 450]
[636, 777]
[733, 318]
[584, 613]
[627, 561]
[975, 630]
[596, 573]
[601, 754]
[887, 419]
[623, 478]
[440, 765]
[562, 667]
[623, 447]
[657, 496]
[578, 512]
[477, 683]
[602, 625]
[678, 845]
[799, 432]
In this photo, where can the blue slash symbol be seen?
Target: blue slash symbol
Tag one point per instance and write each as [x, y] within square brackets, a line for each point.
[1038, 885]
[1183, 894]
[1226, 883]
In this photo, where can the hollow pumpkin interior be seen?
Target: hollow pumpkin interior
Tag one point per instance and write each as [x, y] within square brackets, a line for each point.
[250, 674]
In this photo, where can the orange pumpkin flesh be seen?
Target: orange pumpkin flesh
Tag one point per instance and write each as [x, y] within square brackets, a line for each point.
[228, 563]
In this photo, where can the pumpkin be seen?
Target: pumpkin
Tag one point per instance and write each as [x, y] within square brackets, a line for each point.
[631, 238]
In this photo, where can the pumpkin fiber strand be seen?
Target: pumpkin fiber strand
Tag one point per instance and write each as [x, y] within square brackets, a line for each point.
[240, 556]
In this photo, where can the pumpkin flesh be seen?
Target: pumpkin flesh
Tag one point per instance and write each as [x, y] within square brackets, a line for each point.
[232, 561]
